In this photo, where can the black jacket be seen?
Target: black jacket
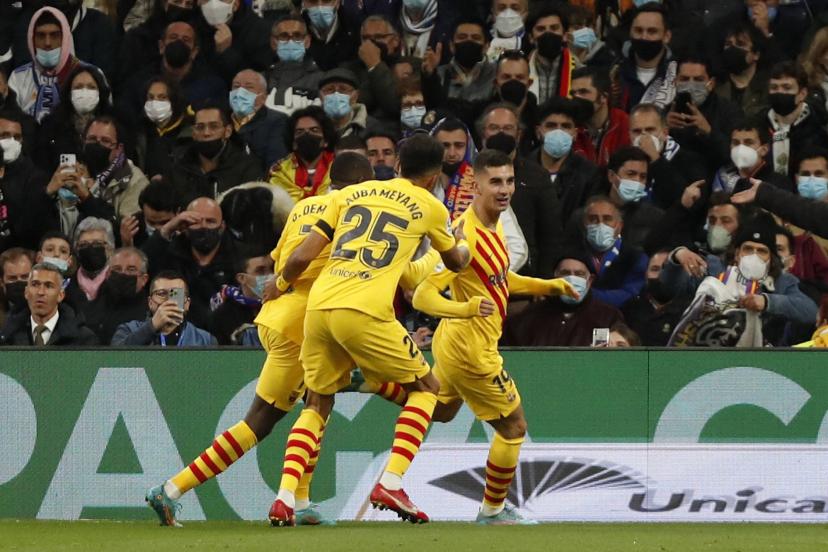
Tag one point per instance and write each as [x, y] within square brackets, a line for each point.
[265, 136]
[31, 212]
[670, 178]
[235, 167]
[341, 48]
[807, 134]
[378, 90]
[106, 313]
[250, 47]
[808, 214]
[69, 331]
[228, 318]
[577, 180]
[653, 325]
[154, 153]
[721, 114]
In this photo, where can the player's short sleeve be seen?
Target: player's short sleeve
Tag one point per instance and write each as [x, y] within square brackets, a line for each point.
[439, 230]
[326, 224]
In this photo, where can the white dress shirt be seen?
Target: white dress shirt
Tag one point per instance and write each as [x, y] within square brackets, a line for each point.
[50, 328]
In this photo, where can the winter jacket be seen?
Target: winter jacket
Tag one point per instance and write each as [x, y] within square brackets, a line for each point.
[754, 98]
[154, 147]
[378, 90]
[105, 313]
[70, 330]
[808, 214]
[283, 174]
[264, 135]
[669, 177]
[628, 91]
[714, 148]
[622, 280]
[30, 211]
[293, 85]
[654, 325]
[235, 167]
[615, 137]
[337, 47]
[250, 47]
[141, 332]
[577, 180]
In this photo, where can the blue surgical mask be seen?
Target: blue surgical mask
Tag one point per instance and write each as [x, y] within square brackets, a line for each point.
[68, 195]
[557, 143]
[57, 262]
[321, 17]
[600, 236]
[812, 187]
[580, 285]
[584, 38]
[290, 50]
[773, 11]
[412, 117]
[337, 105]
[259, 287]
[242, 101]
[631, 190]
[48, 58]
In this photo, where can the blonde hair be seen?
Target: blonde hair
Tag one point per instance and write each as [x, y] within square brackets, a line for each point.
[812, 59]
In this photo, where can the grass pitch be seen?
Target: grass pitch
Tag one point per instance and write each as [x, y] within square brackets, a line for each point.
[455, 537]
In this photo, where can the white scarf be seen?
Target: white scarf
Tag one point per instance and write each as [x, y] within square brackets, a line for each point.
[421, 30]
[781, 148]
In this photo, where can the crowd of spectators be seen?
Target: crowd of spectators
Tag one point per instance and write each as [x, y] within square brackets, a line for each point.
[664, 153]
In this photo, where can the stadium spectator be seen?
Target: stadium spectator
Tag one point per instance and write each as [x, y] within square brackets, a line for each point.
[214, 162]
[585, 44]
[382, 153]
[339, 94]
[508, 31]
[745, 84]
[293, 81]
[158, 205]
[305, 171]
[562, 321]
[512, 85]
[749, 148]
[622, 335]
[333, 41]
[94, 244]
[551, 63]
[45, 320]
[15, 267]
[164, 127]
[55, 248]
[412, 105]
[261, 129]
[607, 127]
[236, 306]
[455, 186]
[425, 25]
[167, 324]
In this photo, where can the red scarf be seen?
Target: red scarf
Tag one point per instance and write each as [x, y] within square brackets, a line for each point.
[301, 179]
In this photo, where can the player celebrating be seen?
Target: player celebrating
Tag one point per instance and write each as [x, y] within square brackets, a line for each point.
[466, 360]
[280, 324]
[375, 228]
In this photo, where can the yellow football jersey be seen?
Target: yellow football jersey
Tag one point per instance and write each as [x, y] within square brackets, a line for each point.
[375, 228]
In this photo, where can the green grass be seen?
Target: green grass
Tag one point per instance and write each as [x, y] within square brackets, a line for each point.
[370, 537]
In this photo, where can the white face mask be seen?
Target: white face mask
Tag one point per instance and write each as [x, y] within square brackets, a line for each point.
[508, 23]
[11, 149]
[744, 157]
[158, 110]
[216, 12]
[85, 100]
[656, 141]
[752, 267]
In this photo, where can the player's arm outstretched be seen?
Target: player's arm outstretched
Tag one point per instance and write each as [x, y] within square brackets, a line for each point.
[417, 271]
[524, 285]
[428, 298]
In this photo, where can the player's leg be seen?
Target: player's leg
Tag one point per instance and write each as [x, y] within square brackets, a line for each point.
[390, 391]
[307, 512]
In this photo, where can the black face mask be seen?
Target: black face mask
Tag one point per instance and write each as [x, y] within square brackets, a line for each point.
[502, 142]
[385, 55]
[513, 91]
[734, 60]
[658, 291]
[468, 53]
[92, 259]
[584, 109]
[646, 49]
[549, 45]
[15, 294]
[782, 104]
[96, 158]
[204, 240]
[177, 13]
[308, 147]
[384, 172]
[121, 287]
[177, 54]
[209, 149]
[449, 169]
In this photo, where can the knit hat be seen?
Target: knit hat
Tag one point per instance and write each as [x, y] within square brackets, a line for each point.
[760, 230]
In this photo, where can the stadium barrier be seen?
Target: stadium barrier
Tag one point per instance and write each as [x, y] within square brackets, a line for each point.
[614, 435]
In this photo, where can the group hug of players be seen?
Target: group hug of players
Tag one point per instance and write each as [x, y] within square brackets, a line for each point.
[339, 262]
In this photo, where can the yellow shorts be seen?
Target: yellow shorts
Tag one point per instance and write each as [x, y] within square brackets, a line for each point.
[337, 339]
[281, 381]
[478, 379]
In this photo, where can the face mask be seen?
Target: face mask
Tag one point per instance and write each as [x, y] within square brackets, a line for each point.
[468, 53]
[177, 54]
[557, 143]
[584, 38]
[508, 23]
[735, 60]
[502, 142]
[308, 147]
[549, 45]
[11, 149]
[631, 191]
[412, 117]
[68, 195]
[585, 109]
[242, 101]
[57, 262]
[384, 172]
[718, 238]
[782, 104]
[337, 105]
[449, 169]
[580, 285]
[812, 187]
[640, 138]
[158, 110]
[48, 58]
[600, 236]
[92, 259]
[752, 267]
[216, 12]
[290, 50]
[209, 149]
[122, 286]
[321, 17]
[697, 90]
[84, 100]
[513, 91]
[258, 288]
[204, 240]
[772, 12]
[744, 157]
[15, 294]
[96, 158]
[658, 291]
[646, 50]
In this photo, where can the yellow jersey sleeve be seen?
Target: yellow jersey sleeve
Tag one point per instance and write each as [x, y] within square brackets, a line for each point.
[441, 237]
[418, 270]
[300, 222]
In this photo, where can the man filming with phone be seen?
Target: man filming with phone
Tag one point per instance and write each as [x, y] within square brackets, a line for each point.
[166, 325]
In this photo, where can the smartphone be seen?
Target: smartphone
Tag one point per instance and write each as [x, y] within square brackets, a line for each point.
[178, 295]
[600, 337]
[683, 101]
[69, 159]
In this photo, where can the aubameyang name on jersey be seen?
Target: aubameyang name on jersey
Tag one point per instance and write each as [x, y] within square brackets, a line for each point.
[312, 209]
[394, 195]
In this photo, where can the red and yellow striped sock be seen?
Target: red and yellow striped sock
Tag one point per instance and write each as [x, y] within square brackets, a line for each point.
[500, 470]
[303, 490]
[226, 449]
[303, 440]
[410, 430]
[393, 392]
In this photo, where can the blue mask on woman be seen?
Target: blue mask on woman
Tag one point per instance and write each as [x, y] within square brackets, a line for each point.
[411, 117]
[557, 143]
[812, 187]
[290, 50]
[600, 236]
[584, 38]
[337, 105]
[580, 285]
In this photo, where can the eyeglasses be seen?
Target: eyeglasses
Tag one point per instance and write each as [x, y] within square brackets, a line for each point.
[164, 294]
[342, 88]
[417, 103]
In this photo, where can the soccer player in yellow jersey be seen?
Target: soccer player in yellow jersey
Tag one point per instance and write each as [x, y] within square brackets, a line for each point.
[466, 359]
[375, 228]
[280, 325]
